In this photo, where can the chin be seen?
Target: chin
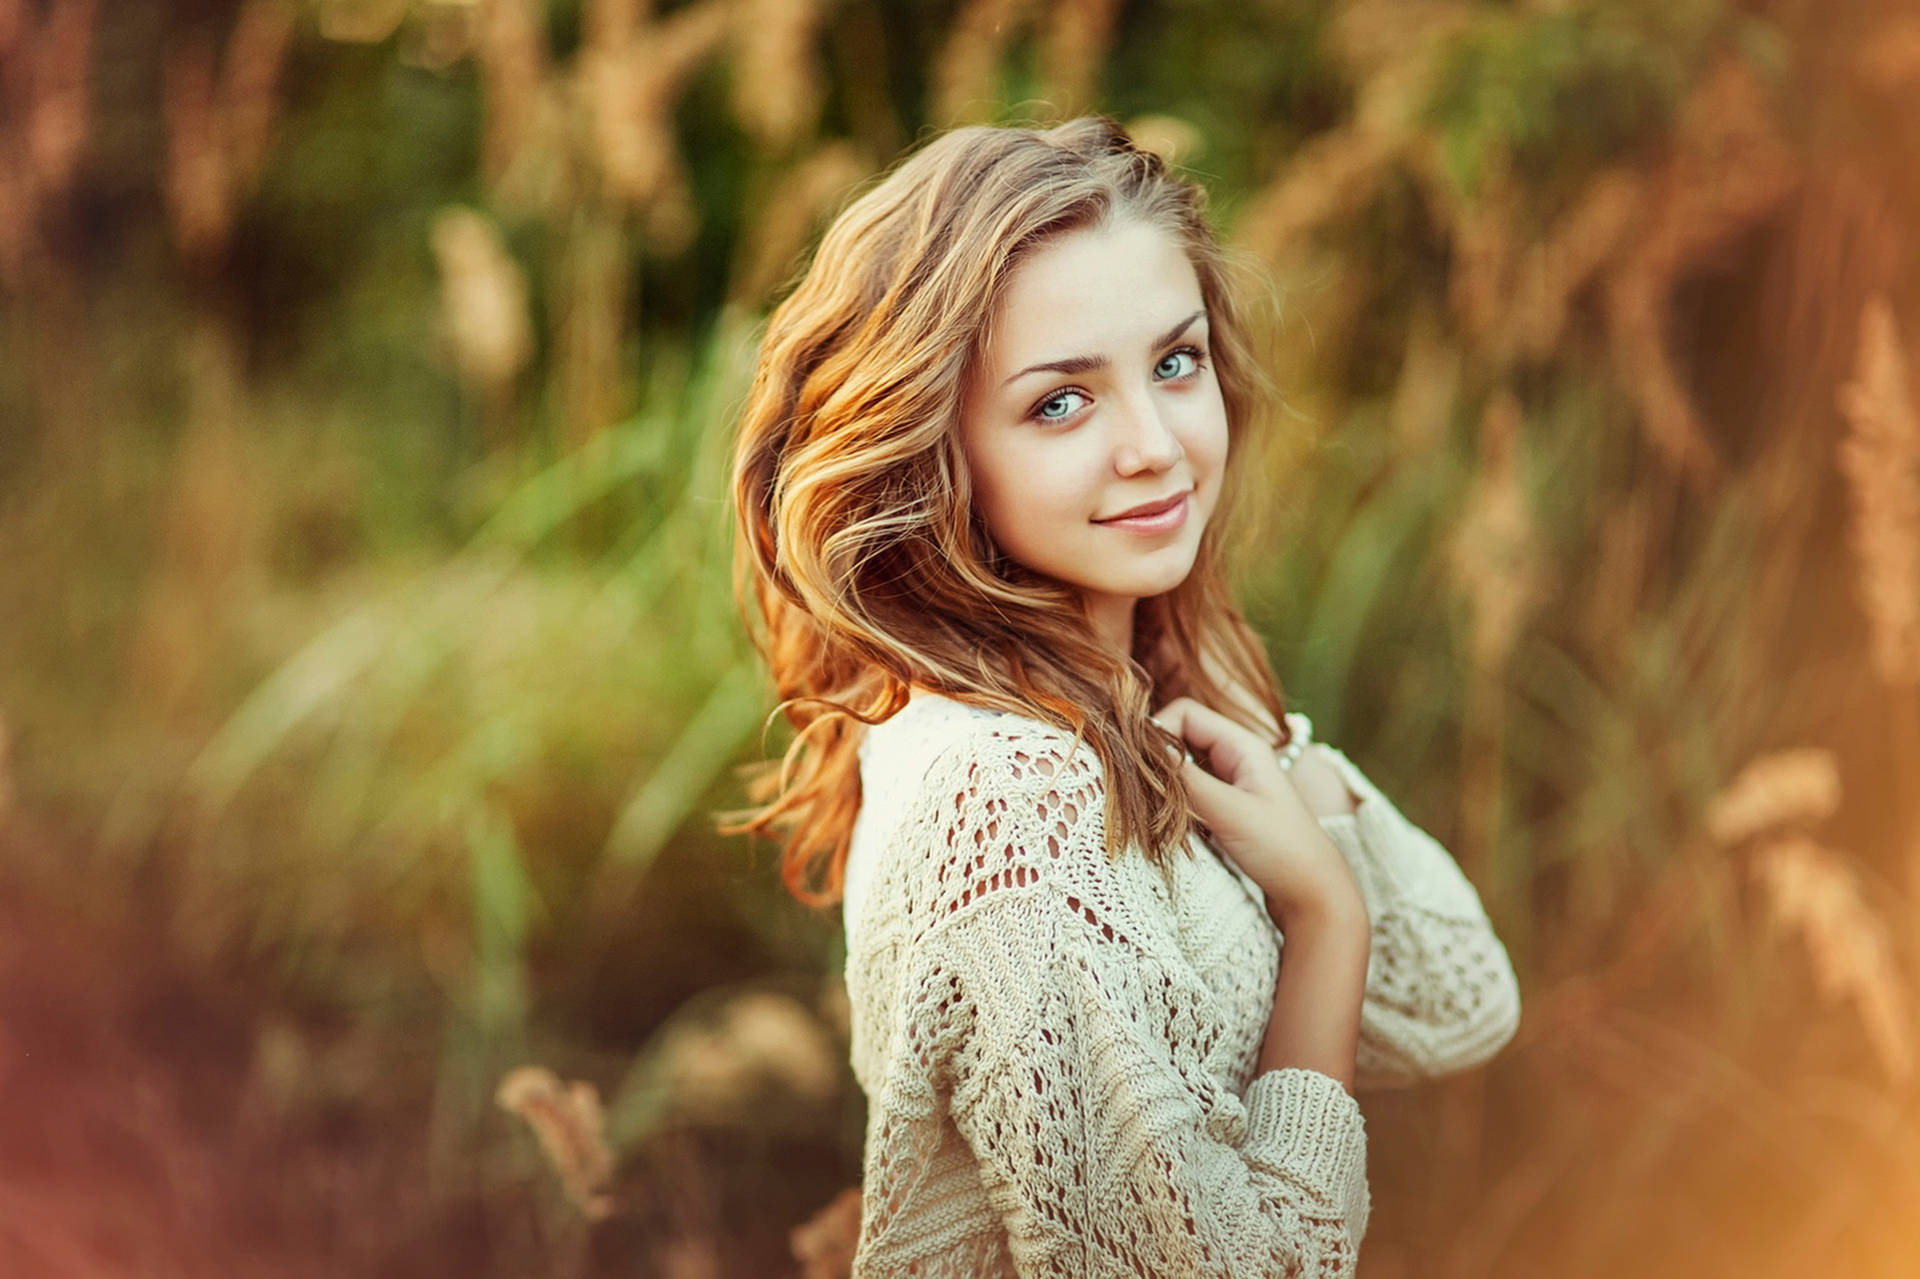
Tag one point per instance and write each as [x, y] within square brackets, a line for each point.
[1145, 585]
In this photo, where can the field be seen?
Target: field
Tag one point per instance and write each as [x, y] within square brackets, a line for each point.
[370, 674]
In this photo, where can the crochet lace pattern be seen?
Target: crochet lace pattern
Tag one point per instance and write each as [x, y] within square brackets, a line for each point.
[1058, 1047]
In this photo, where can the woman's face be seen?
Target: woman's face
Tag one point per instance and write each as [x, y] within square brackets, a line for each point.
[1097, 395]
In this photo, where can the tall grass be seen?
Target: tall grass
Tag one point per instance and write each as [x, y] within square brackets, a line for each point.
[1596, 547]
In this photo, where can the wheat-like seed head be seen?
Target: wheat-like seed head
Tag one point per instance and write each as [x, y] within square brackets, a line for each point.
[1494, 557]
[1880, 458]
[483, 298]
[759, 1040]
[1813, 890]
[567, 1120]
[776, 82]
[1777, 789]
[963, 72]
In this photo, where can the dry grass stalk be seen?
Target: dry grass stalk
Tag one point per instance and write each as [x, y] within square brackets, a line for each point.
[1574, 250]
[1496, 564]
[1495, 558]
[777, 86]
[219, 121]
[1812, 889]
[804, 195]
[44, 68]
[511, 48]
[1880, 458]
[1619, 574]
[759, 1041]
[591, 148]
[630, 75]
[1331, 177]
[1488, 238]
[824, 1244]
[1367, 36]
[1427, 388]
[1780, 788]
[1390, 49]
[58, 58]
[198, 197]
[256, 52]
[964, 71]
[1728, 168]
[567, 1120]
[361, 21]
[1079, 34]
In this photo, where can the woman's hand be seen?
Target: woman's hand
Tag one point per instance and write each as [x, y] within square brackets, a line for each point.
[1254, 815]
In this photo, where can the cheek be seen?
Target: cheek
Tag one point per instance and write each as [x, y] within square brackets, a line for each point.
[1205, 436]
[1040, 482]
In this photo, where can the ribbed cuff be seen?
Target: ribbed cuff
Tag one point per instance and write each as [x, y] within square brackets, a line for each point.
[1305, 1126]
[1350, 837]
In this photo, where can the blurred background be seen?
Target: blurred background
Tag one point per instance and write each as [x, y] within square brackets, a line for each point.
[369, 674]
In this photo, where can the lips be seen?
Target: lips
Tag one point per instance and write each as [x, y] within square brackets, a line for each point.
[1147, 508]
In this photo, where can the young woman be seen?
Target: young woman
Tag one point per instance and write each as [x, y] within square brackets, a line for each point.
[983, 482]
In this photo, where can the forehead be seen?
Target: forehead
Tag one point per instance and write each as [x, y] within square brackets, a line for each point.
[1094, 290]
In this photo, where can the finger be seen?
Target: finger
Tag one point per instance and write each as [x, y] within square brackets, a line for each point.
[1206, 790]
[1229, 746]
[1179, 718]
[1173, 716]
[1169, 718]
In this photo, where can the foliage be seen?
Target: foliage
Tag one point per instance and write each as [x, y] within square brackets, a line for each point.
[368, 370]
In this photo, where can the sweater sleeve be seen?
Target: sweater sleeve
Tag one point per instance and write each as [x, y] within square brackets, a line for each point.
[1084, 1070]
[1441, 993]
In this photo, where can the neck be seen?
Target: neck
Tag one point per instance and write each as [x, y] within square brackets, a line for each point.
[1112, 619]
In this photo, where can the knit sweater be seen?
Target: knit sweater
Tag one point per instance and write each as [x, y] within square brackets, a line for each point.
[1058, 1047]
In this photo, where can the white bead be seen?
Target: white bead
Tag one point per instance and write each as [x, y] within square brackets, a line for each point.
[1300, 729]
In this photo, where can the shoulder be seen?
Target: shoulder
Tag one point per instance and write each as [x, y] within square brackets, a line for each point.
[1008, 840]
[1001, 767]
[936, 740]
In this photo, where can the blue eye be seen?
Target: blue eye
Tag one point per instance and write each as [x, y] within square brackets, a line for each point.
[1196, 358]
[1040, 409]
[1192, 353]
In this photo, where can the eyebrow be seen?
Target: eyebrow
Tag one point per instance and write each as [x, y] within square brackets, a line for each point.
[1088, 363]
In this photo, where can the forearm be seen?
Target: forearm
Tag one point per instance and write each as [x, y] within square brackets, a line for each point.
[1315, 1022]
[1443, 995]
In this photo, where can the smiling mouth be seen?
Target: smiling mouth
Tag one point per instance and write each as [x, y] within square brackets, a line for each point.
[1147, 512]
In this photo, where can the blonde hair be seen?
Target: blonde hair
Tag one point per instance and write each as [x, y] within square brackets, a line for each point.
[857, 533]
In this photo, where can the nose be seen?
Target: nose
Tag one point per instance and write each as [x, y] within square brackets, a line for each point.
[1145, 441]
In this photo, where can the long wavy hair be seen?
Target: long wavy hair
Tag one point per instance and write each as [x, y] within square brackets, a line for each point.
[857, 536]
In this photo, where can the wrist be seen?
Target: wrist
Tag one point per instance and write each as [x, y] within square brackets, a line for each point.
[1337, 910]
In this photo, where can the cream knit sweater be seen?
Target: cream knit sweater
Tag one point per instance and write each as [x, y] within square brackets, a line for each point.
[1057, 1049]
